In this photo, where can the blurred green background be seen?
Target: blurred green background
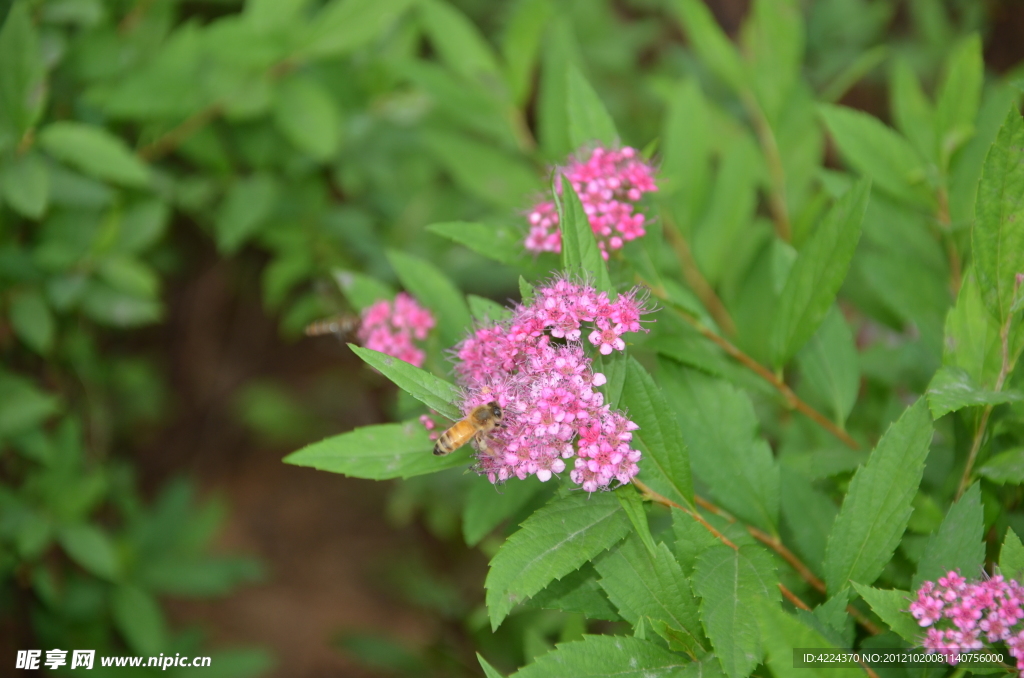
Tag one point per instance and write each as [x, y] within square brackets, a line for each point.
[180, 181]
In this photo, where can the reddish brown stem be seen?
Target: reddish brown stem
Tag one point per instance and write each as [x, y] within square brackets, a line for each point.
[695, 279]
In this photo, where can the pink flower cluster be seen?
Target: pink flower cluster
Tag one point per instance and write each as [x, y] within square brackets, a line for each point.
[609, 184]
[987, 610]
[534, 366]
[390, 327]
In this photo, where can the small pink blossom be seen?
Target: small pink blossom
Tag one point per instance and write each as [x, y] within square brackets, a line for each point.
[609, 183]
[390, 327]
[534, 366]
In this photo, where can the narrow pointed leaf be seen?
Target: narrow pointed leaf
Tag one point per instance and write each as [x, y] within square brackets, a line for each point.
[1011, 556]
[877, 505]
[1005, 467]
[783, 633]
[433, 289]
[578, 591]
[589, 121]
[580, 254]
[891, 606]
[434, 392]
[378, 452]
[554, 541]
[958, 544]
[500, 243]
[633, 505]
[605, 656]
[952, 389]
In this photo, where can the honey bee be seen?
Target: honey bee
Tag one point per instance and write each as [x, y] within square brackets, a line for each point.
[481, 421]
[342, 326]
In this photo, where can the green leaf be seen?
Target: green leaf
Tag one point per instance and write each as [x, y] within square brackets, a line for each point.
[138, 617]
[91, 548]
[1005, 467]
[458, 42]
[808, 513]
[972, 341]
[25, 184]
[877, 507]
[666, 463]
[633, 505]
[711, 43]
[580, 254]
[1011, 556]
[731, 584]
[378, 453]
[719, 425]
[246, 207]
[589, 121]
[773, 40]
[434, 392]
[958, 544]
[959, 95]
[997, 240]
[482, 169]
[95, 151]
[685, 169]
[25, 406]
[892, 607]
[830, 366]
[342, 26]
[308, 117]
[521, 43]
[525, 291]
[613, 366]
[645, 583]
[115, 308]
[487, 310]
[604, 656]
[488, 505]
[579, 592]
[362, 291]
[433, 289]
[952, 389]
[500, 243]
[878, 152]
[783, 634]
[912, 111]
[554, 541]
[817, 274]
[33, 321]
[22, 78]
[489, 671]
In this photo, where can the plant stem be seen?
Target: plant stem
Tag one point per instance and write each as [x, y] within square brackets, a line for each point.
[695, 279]
[169, 141]
[776, 173]
[946, 235]
[792, 399]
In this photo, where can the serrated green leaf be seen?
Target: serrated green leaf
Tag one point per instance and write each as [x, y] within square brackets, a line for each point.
[580, 254]
[138, 617]
[666, 463]
[645, 583]
[808, 513]
[829, 365]
[817, 274]
[554, 541]
[972, 340]
[958, 544]
[308, 116]
[488, 505]
[342, 26]
[378, 453]
[997, 240]
[22, 89]
[95, 151]
[959, 95]
[576, 592]
[32, 320]
[25, 184]
[362, 291]
[433, 289]
[711, 43]
[952, 389]
[489, 671]
[457, 41]
[878, 152]
[434, 392]
[246, 207]
[1005, 467]
[91, 548]
[1011, 556]
[718, 424]
[487, 310]
[731, 584]
[499, 243]
[784, 633]
[892, 608]
[589, 121]
[877, 507]
[602, 656]
[633, 505]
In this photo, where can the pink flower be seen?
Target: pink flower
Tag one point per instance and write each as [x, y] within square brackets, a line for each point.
[535, 367]
[609, 183]
[390, 327]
